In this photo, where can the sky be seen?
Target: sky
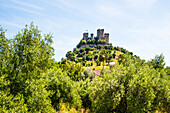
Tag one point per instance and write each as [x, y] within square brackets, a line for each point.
[140, 26]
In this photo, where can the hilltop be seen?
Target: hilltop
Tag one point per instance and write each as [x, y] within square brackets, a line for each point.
[96, 51]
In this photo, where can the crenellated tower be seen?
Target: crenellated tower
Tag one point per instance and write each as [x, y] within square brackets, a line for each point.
[100, 36]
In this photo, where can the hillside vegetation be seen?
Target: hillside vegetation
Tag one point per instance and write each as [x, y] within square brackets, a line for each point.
[32, 81]
[97, 56]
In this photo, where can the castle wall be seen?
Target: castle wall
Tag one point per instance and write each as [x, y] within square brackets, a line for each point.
[91, 45]
[100, 36]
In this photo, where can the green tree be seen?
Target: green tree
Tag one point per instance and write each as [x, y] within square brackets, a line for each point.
[83, 92]
[73, 58]
[96, 56]
[168, 70]
[88, 73]
[69, 54]
[99, 46]
[73, 70]
[82, 50]
[103, 56]
[114, 55]
[157, 62]
[62, 88]
[87, 49]
[93, 41]
[63, 61]
[83, 42]
[89, 41]
[25, 58]
[132, 86]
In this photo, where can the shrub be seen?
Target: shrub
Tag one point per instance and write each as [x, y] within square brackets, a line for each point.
[133, 86]
[62, 88]
[83, 63]
[88, 73]
[82, 50]
[73, 70]
[96, 56]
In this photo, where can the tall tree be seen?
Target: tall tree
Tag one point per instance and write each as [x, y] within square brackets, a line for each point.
[158, 62]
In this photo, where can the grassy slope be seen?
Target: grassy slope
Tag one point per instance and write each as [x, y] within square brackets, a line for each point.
[101, 66]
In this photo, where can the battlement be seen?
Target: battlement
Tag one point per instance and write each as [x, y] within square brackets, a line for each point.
[91, 41]
[100, 36]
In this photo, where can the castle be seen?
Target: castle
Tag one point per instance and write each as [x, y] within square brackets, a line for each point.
[100, 36]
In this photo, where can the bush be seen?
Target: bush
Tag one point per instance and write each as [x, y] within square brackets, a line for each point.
[73, 70]
[87, 49]
[88, 41]
[82, 50]
[88, 57]
[98, 63]
[133, 86]
[83, 92]
[62, 88]
[100, 46]
[96, 56]
[83, 63]
[88, 73]
[80, 59]
[73, 58]
[114, 55]
[91, 63]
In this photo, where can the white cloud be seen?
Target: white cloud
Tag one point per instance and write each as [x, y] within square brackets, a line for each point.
[25, 10]
[11, 24]
[27, 4]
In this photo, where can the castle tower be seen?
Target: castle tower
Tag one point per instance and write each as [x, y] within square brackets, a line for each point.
[106, 37]
[92, 35]
[85, 36]
[100, 34]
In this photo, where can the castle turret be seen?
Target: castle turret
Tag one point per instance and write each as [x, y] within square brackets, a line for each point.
[85, 36]
[100, 34]
[92, 35]
[106, 37]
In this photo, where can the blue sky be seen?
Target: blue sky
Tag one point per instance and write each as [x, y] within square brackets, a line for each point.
[140, 26]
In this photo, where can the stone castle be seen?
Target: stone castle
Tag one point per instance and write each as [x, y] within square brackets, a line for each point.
[100, 36]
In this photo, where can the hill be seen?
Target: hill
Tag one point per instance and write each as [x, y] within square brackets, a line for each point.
[95, 51]
[95, 57]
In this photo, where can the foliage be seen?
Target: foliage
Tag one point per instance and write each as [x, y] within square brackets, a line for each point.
[83, 92]
[101, 42]
[157, 62]
[69, 54]
[87, 49]
[82, 50]
[132, 86]
[88, 73]
[100, 46]
[73, 70]
[31, 81]
[96, 56]
[23, 59]
[168, 70]
[82, 42]
[108, 46]
[62, 88]
[88, 41]
[63, 61]
[65, 108]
